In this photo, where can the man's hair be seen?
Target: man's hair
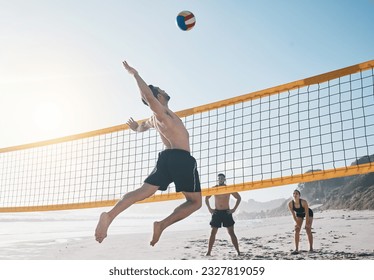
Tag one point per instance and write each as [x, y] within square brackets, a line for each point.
[154, 91]
[297, 192]
[221, 174]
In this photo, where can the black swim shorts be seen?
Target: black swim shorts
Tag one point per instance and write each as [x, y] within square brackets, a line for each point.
[178, 166]
[221, 217]
[302, 215]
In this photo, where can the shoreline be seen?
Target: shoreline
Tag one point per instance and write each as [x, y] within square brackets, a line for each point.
[338, 235]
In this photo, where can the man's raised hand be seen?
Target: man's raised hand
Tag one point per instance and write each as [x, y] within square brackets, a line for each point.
[130, 69]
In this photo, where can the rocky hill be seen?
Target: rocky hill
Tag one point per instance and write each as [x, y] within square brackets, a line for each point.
[252, 209]
[351, 192]
[356, 194]
[255, 206]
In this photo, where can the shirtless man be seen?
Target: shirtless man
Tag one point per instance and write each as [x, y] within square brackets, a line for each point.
[174, 164]
[222, 214]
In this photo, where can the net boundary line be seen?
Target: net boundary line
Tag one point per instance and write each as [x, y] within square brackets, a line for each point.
[207, 107]
[261, 184]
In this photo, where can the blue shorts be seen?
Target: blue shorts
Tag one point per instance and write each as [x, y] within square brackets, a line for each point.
[178, 166]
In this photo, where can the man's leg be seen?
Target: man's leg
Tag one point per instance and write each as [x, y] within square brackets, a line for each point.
[193, 203]
[234, 239]
[127, 200]
[212, 239]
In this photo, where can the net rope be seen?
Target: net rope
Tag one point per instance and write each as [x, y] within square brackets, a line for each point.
[312, 129]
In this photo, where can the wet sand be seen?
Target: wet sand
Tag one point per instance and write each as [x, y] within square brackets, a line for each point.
[338, 235]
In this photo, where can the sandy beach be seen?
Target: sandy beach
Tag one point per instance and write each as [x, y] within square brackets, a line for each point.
[338, 235]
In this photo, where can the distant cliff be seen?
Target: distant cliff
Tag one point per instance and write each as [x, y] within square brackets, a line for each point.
[252, 209]
[353, 192]
[255, 206]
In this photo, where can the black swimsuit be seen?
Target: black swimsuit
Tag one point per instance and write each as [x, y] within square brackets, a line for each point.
[300, 212]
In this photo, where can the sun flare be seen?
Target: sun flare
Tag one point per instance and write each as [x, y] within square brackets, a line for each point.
[47, 119]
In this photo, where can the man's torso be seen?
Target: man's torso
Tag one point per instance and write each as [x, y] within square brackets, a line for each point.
[172, 131]
[222, 201]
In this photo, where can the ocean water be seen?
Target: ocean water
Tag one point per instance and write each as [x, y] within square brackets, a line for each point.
[59, 226]
[23, 234]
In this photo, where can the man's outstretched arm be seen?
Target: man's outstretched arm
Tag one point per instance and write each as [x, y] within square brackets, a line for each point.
[145, 91]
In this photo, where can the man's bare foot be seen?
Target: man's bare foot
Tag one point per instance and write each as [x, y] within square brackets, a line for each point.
[102, 227]
[156, 233]
[207, 254]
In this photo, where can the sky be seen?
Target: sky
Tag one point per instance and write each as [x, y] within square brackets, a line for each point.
[61, 67]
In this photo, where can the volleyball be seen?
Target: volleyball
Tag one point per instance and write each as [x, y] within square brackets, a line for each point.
[186, 20]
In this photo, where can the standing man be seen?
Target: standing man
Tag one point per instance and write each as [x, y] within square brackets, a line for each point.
[174, 164]
[222, 215]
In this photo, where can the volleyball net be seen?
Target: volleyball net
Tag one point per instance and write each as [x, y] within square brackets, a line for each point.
[312, 129]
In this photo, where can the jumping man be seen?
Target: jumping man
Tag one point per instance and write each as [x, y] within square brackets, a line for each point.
[174, 164]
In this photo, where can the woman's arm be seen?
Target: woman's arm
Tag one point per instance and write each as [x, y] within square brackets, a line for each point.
[291, 210]
[304, 203]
